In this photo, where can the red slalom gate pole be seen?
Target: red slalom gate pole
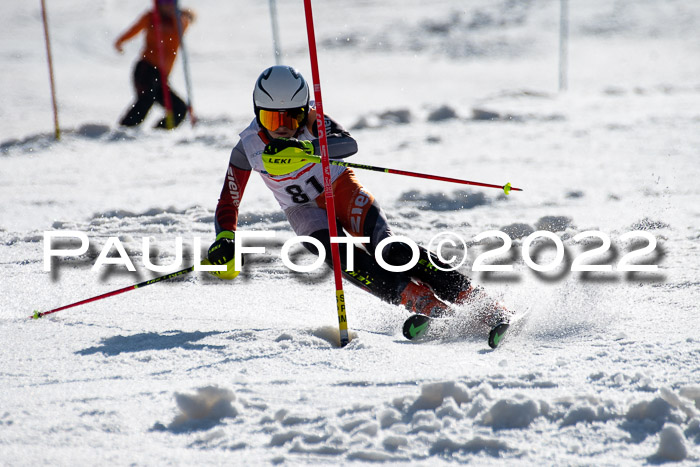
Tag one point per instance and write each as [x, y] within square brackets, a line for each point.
[57, 130]
[39, 314]
[327, 183]
[169, 119]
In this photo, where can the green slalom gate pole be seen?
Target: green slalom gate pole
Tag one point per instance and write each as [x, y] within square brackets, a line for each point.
[38, 314]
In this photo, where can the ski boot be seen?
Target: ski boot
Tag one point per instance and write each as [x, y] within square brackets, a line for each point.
[419, 298]
[489, 313]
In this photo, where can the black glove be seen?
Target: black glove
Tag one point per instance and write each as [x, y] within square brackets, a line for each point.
[280, 144]
[223, 251]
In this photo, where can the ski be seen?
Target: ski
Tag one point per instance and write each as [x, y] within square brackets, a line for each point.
[498, 331]
[417, 325]
[496, 334]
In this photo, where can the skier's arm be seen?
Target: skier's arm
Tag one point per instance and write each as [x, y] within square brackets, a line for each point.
[237, 175]
[140, 25]
[187, 16]
[222, 251]
[340, 143]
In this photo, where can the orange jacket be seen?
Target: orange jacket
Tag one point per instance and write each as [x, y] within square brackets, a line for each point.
[168, 33]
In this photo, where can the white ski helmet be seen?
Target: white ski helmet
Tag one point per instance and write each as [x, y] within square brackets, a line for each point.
[281, 88]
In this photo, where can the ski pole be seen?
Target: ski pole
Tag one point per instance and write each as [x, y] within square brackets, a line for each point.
[185, 64]
[327, 182]
[169, 119]
[507, 188]
[38, 314]
[276, 165]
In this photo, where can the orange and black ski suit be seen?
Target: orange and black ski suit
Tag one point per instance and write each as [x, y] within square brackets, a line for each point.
[147, 71]
[357, 213]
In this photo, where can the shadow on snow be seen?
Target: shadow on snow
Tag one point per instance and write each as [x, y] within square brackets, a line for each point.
[151, 341]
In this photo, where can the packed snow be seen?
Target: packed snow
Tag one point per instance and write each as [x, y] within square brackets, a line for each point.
[604, 367]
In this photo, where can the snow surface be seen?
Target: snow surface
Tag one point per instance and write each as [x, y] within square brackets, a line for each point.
[603, 371]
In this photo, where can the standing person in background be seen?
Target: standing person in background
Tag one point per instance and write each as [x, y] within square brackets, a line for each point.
[147, 72]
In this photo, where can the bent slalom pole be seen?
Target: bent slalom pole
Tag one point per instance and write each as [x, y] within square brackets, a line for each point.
[167, 102]
[38, 314]
[276, 165]
[327, 183]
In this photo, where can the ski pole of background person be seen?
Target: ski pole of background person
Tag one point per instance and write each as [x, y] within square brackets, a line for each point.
[185, 63]
[57, 130]
[169, 119]
[327, 183]
[280, 166]
[38, 314]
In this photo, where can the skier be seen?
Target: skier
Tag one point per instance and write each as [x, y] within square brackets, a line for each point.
[285, 123]
[147, 72]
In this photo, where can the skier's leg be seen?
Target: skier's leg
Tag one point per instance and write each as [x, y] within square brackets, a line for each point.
[361, 215]
[392, 287]
[145, 81]
[365, 272]
[179, 109]
[395, 288]
[451, 286]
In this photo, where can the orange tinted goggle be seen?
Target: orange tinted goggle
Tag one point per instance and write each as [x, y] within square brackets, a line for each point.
[273, 119]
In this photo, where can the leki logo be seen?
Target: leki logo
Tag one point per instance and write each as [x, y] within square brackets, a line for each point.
[446, 246]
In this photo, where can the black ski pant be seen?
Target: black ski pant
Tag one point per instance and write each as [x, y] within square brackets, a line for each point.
[148, 87]
[387, 285]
